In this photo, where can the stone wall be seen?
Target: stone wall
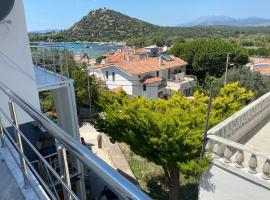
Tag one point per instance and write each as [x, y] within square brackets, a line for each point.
[244, 121]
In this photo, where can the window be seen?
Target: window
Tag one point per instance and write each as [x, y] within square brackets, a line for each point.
[113, 76]
[139, 76]
[144, 87]
[157, 73]
[107, 75]
[169, 73]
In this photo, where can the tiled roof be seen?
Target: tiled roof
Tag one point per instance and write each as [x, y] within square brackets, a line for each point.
[142, 50]
[151, 79]
[137, 66]
[263, 70]
[141, 66]
[117, 89]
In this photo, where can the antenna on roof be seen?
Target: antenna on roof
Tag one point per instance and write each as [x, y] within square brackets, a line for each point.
[160, 60]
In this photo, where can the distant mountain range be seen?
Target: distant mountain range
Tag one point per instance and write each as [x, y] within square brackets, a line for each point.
[227, 21]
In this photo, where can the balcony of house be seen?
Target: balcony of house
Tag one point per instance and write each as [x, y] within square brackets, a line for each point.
[180, 82]
[49, 161]
[162, 85]
[240, 155]
[49, 80]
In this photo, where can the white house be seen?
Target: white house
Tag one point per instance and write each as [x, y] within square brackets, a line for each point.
[139, 74]
[261, 65]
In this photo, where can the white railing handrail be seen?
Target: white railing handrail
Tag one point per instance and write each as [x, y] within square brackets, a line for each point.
[119, 184]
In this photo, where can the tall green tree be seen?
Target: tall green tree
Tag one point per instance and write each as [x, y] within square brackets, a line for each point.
[209, 56]
[68, 67]
[167, 132]
[259, 84]
[85, 86]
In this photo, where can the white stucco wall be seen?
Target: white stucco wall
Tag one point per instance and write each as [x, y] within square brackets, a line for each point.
[151, 91]
[15, 60]
[220, 184]
[122, 79]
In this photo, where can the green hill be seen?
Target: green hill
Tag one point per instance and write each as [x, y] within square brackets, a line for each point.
[108, 25]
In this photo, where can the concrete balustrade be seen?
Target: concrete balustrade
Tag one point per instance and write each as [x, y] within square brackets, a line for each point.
[234, 154]
[241, 123]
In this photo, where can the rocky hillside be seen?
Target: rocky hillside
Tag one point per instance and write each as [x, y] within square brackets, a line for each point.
[108, 25]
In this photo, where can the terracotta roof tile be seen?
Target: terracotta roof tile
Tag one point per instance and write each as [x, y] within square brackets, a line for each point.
[141, 66]
[137, 66]
[263, 70]
[150, 80]
[142, 50]
[116, 90]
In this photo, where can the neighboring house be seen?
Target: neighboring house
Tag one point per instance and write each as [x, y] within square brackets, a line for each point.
[240, 168]
[142, 73]
[261, 65]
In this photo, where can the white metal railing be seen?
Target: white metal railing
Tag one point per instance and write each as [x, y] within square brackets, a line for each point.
[120, 185]
[54, 59]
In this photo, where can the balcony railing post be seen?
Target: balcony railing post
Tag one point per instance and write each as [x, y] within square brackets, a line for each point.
[14, 118]
[43, 56]
[64, 170]
[60, 62]
[2, 134]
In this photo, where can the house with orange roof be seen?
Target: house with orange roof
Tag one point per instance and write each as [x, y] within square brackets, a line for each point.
[139, 73]
[261, 65]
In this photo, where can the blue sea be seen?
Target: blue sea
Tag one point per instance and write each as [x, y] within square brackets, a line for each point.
[93, 50]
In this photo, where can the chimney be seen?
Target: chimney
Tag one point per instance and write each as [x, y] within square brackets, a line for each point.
[128, 57]
[160, 61]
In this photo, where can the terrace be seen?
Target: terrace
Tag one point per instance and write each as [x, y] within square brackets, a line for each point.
[240, 150]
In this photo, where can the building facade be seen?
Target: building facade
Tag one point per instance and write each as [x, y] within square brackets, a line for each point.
[139, 73]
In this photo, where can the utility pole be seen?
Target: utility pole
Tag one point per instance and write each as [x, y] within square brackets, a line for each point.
[89, 93]
[227, 65]
[207, 119]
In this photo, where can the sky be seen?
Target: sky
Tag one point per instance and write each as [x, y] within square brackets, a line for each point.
[61, 14]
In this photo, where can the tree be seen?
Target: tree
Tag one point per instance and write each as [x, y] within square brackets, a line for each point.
[137, 42]
[167, 132]
[259, 84]
[81, 80]
[78, 72]
[208, 56]
[99, 59]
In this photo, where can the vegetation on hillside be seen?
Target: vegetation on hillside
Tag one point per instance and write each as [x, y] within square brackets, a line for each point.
[167, 132]
[259, 84]
[209, 56]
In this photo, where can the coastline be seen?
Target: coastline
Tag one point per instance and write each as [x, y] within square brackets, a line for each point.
[85, 42]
